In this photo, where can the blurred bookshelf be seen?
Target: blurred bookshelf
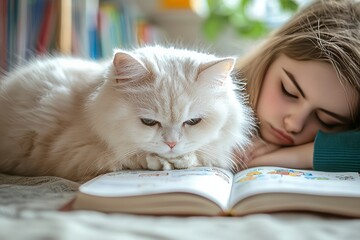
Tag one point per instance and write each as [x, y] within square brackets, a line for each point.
[85, 28]
[93, 28]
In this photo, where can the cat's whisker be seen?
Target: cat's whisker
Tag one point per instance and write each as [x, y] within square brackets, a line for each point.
[238, 163]
[229, 159]
[209, 158]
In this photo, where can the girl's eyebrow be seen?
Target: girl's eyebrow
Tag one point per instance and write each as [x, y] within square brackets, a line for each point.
[292, 78]
[334, 115]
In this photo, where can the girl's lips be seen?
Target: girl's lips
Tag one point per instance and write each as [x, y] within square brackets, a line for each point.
[283, 137]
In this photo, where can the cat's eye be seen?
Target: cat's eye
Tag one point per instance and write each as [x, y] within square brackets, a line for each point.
[193, 121]
[149, 122]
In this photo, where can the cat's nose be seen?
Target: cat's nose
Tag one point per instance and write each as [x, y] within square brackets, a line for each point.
[171, 144]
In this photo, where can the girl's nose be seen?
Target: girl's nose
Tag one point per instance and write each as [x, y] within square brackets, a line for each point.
[294, 123]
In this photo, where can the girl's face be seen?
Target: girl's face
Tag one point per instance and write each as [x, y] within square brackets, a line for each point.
[298, 98]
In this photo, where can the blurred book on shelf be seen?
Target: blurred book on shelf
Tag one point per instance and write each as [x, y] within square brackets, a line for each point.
[91, 28]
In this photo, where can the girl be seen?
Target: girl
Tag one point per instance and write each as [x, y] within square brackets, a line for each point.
[305, 79]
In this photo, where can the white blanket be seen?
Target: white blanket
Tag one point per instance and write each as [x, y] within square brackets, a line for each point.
[28, 210]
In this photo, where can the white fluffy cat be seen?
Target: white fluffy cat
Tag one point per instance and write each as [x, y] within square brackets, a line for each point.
[150, 108]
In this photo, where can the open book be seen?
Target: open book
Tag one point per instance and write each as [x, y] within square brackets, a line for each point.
[215, 191]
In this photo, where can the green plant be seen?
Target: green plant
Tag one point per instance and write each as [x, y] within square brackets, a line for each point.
[221, 16]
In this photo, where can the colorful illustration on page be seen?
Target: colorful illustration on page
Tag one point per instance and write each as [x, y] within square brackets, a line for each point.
[281, 172]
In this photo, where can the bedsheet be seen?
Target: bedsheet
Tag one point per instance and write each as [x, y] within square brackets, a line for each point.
[29, 210]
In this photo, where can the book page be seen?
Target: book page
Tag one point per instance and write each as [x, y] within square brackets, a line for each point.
[283, 180]
[210, 182]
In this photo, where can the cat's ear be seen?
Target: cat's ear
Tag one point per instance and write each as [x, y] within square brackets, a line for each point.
[128, 67]
[217, 71]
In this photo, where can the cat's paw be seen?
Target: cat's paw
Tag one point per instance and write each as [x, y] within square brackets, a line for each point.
[155, 162]
[185, 161]
[166, 165]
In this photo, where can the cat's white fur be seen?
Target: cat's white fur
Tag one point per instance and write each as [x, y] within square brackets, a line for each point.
[77, 118]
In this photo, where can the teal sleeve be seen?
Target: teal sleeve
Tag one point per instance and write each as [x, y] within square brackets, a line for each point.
[337, 152]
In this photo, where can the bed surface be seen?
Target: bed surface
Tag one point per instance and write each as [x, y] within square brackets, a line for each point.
[28, 210]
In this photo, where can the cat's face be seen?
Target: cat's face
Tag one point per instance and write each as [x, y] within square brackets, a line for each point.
[169, 103]
[173, 121]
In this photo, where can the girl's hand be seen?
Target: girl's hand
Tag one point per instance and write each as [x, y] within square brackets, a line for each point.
[262, 153]
[259, 148]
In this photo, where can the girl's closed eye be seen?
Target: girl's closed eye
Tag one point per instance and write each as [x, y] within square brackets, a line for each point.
[325, 124]
[328, 122]
[287, 92]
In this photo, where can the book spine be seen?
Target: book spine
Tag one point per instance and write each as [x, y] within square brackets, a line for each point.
[65, 26]
[3, 35]
[45, 29]
[11, 37]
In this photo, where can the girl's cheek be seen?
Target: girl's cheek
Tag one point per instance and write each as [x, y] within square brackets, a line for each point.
[308, 134]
